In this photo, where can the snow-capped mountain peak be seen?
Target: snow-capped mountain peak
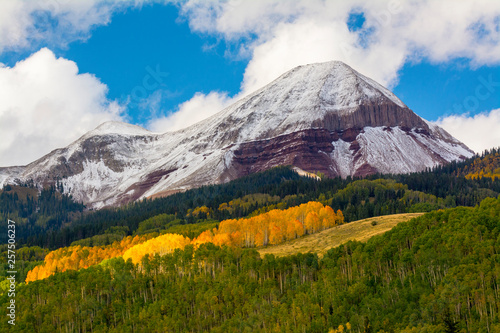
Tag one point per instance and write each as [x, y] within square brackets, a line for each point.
[118, 127]
[320, 117]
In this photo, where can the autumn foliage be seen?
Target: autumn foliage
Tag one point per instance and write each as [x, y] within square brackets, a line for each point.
[77, 257]
[160, 245]
[273, 227]
[487, 166]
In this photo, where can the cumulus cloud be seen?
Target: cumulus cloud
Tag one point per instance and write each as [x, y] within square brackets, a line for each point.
[46, 104]
[196, 109]
[478, 132]
[282, 35]
[26, 24]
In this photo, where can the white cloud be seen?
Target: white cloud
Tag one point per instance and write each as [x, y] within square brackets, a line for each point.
[26, 24]
[46, 104]
[196, 109]
[478, 132]
[291, 33]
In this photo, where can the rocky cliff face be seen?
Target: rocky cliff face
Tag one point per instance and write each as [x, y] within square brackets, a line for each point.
[321, 117]
[372, 115]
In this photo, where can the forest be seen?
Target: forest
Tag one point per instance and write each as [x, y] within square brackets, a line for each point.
[188, 262]
[443, 267]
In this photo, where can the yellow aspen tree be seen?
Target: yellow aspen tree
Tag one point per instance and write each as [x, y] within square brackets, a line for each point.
[274, 234]
[290, 231]
[222, 239]
[259, 239]
[162, 245]
[311, 222]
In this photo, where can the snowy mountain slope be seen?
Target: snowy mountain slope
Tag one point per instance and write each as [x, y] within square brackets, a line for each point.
[295, 101]
[320, 117]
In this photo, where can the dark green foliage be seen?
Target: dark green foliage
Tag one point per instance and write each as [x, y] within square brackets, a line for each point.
[157, 223]
[367, 198]
[110, 235]
[36, 213]
[191, 230]
[367, 326]
[449, 180]
[99, 240]
[405, 279]
[450, 326]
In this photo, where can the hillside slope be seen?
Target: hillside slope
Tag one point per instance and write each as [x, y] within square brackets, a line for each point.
[321, 242]
[441, 266]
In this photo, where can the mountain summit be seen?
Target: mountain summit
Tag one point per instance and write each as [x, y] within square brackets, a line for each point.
[323, 117]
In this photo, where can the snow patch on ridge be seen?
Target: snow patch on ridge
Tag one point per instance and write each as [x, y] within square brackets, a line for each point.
[397, 151]
[88, 185]
[342, 158]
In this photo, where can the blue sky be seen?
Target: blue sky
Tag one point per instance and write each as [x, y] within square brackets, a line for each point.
[153, 37]
[439, 90]
[163, 66]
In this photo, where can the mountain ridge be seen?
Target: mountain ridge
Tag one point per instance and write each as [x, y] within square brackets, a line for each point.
[323, 117]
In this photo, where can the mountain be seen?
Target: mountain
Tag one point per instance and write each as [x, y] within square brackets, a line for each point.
[322, 117]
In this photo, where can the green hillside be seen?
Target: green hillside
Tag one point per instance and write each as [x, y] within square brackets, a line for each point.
[440, 267]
